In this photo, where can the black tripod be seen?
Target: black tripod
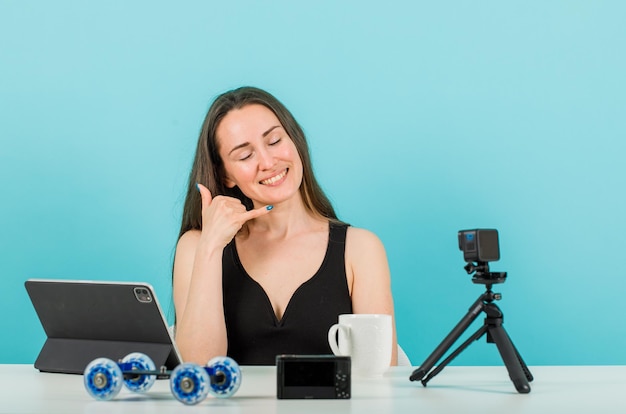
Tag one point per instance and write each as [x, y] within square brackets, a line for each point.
[518, 371]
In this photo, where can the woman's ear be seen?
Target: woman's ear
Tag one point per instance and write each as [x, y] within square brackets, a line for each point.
[228, 182]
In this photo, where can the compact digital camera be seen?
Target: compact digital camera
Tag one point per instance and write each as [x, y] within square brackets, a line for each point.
[313, 376]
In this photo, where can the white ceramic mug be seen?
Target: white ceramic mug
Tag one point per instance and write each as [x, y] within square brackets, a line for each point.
[366, 338]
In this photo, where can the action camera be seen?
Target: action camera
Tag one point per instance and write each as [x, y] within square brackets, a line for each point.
[479, 245]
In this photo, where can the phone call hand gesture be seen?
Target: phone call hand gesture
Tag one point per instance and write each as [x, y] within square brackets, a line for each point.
[223, 217]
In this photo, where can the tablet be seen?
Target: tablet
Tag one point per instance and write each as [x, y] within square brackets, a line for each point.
[85, 320]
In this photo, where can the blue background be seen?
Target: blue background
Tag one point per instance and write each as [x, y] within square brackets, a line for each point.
[424, 118]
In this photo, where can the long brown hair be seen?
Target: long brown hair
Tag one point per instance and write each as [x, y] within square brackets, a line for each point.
[208, 169]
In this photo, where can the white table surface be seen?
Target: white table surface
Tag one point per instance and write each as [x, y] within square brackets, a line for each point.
[483, 390]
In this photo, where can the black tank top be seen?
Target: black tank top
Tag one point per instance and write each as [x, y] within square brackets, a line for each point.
[256, 336]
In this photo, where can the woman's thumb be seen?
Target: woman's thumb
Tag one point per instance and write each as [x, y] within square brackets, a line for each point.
[205, 194]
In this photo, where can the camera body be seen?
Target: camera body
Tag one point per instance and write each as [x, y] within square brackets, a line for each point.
[479, 245]
[313, 377]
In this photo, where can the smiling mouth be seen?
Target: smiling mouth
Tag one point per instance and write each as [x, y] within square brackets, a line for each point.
[275, 178]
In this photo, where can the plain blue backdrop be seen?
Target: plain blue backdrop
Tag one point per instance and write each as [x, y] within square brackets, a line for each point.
[424, 118]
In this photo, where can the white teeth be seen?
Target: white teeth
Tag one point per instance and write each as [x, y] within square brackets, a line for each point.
[274, 178]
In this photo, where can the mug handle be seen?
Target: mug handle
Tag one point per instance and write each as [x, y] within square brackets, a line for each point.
[332, 338]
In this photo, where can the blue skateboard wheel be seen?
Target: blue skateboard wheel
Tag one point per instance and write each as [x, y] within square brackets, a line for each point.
[103, 379]
[190, 383]
[226, 376]
[141, 362]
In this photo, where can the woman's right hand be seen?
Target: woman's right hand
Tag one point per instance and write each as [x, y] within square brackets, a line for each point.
[223, 217]
[197, 285]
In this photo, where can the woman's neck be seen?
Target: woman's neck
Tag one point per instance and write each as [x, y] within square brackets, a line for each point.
[289, 217]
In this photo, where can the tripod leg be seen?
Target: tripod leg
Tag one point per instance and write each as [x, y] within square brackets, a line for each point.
[449, 340]
[510, 356]
[475, 336]
[527, 373]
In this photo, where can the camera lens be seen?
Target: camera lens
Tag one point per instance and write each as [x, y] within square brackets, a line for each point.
[143, 295]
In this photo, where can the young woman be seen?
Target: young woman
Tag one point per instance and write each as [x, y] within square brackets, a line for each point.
[263, 266]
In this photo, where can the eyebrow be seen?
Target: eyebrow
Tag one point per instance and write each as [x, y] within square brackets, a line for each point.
[245, 144]
[270, 130]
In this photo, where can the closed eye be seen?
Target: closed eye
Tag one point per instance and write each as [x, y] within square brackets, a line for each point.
[245, 156]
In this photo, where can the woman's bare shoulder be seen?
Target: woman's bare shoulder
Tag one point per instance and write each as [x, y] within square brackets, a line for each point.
[189, 240]
[359, 238]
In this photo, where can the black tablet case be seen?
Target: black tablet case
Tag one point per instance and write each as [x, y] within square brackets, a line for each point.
[85, 320]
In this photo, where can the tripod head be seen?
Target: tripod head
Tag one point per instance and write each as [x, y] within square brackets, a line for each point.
[482, 274]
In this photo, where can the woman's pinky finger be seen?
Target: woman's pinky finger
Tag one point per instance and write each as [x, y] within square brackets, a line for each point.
[258, 212]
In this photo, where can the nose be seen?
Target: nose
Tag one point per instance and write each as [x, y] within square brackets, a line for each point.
[266, 159]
